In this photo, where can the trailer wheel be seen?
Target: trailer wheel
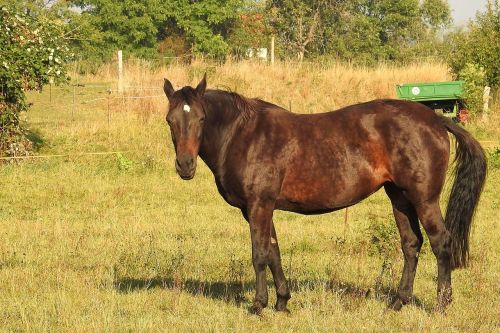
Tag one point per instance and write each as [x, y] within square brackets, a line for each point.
[463, 116]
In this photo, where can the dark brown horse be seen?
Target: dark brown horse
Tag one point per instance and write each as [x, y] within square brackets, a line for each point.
[265, 158]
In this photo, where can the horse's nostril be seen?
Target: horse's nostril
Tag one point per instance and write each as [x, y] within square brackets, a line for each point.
[184, 162]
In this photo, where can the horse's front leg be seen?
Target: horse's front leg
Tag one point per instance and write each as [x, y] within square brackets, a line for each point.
[282, 290]
[260, 214]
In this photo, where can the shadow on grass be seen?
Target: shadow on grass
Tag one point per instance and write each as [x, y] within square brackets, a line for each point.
[386, 294]
[36, 139]
[234, 292]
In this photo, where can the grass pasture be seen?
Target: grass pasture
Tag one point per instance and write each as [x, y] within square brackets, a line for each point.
[119, 243]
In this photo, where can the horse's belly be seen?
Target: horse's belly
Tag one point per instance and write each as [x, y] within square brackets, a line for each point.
[309, 193]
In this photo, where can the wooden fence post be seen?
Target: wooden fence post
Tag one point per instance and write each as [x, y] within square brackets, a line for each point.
[109, 112]
[51, 81]
[120, 72]
[73, 109]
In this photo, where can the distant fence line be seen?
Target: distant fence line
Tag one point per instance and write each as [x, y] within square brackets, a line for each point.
[111, 93]
[109, 97]
[65, 155]
[107, 87]
[75, 98]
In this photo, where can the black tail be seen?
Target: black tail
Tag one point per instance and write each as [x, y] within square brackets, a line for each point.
[470, 174]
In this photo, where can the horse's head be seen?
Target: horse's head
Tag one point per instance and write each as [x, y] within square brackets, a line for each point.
[185, 117]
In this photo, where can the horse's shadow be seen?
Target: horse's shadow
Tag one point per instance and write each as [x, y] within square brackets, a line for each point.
[234, 291]
[386, 294]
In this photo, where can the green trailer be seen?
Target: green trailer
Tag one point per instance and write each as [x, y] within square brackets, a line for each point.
[443, 96]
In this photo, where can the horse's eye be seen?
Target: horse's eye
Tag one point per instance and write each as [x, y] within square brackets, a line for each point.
[202, 120]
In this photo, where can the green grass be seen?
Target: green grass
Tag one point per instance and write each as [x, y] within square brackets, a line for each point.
[114, 243]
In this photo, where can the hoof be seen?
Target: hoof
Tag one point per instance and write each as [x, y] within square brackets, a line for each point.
[396, 305]
[444, 299]
[256, 309]
[281, 305]
[283, 310]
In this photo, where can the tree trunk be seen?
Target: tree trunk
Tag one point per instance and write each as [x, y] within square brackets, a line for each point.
[310, 35]
[300, 55]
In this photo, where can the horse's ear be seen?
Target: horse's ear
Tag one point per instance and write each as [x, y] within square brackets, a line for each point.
[168, 89]
[202, 86]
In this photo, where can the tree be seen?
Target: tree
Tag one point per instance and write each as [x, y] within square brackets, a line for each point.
[33, 52]
[393, 28]
[137, 26]
[250, 30]
[297, 23]
[435, 14]
[205, 23]
[478, 45]
[357, 30]
[129, 25]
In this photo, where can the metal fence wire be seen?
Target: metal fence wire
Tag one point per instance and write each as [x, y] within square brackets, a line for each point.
[77, 96]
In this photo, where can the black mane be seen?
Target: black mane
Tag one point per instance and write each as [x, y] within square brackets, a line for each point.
[243, 106]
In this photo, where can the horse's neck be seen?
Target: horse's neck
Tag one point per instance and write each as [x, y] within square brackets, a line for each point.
[219, 129]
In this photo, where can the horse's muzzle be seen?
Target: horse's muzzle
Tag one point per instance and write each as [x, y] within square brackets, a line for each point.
[185, 166]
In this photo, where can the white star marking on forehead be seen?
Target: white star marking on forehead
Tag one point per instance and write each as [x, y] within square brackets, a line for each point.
[187, 108]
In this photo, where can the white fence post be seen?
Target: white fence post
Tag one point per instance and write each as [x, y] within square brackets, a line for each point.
[272, 50]
[486, 100]
[120, 72]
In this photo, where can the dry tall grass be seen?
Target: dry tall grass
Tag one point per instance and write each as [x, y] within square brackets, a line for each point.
[306, 87]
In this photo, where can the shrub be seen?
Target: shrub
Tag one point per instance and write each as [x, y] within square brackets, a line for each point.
[384, 238]
[475, 80]
[124, 164]
[494, 158]
[33, 52]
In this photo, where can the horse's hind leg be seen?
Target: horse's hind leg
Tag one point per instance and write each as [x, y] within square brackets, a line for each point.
[411, 242]
[431, 218]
